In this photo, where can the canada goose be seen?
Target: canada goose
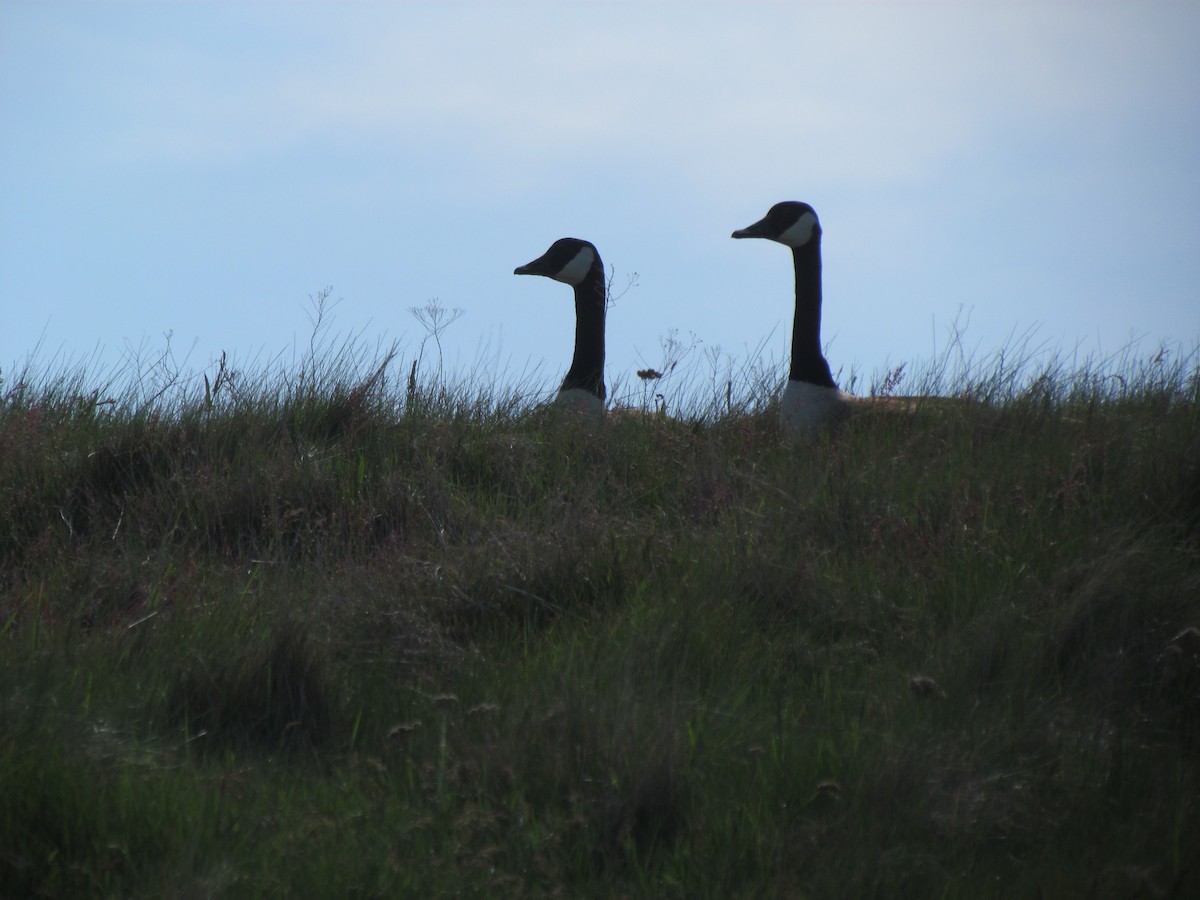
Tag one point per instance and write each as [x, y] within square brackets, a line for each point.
[811, 399]
[576, 262]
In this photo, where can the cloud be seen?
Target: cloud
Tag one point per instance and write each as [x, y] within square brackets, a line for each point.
[733, 96]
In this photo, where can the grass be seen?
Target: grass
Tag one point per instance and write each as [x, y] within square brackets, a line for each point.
[333, 632]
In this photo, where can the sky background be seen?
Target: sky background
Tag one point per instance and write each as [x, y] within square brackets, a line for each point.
[200, 170]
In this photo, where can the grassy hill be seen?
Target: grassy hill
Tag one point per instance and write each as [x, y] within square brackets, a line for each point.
[345, 635]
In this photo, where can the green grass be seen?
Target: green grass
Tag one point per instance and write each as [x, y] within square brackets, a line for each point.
[337, 632]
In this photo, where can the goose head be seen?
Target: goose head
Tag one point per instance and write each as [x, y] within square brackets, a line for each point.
[568, 260]
[791, 223]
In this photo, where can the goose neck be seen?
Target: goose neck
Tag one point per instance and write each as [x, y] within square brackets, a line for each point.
[808, 364]
[587, 365]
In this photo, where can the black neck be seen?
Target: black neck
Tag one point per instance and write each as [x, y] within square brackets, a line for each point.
[807, 362]
[587, 366]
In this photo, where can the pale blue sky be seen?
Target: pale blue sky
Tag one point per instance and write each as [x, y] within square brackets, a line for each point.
[202, 168]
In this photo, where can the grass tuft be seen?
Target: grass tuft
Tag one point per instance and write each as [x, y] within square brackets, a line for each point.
[353, 626]
[272, 695]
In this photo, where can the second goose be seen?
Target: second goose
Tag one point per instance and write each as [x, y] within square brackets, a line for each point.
[811, 399]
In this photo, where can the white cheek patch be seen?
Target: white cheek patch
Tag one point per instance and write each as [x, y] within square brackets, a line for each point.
[574, 271]
[801, 232]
